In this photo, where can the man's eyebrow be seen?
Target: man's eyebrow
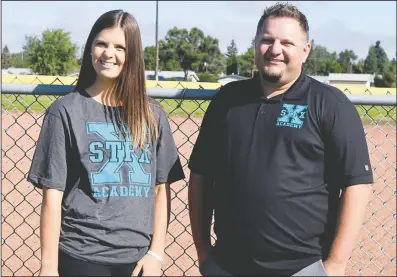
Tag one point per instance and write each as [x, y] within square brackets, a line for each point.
[272, 37]
[266, 36]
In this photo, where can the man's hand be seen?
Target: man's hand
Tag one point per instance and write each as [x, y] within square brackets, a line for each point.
[149, 265]
[334, 269]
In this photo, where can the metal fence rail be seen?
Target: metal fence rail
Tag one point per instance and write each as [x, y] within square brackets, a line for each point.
[23, 107]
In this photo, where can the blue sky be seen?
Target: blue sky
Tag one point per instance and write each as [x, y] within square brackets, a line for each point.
[333, 24]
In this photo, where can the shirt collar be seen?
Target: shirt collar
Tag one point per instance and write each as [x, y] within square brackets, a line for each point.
[295, 92]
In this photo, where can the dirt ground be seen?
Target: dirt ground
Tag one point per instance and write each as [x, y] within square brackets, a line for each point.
[375, 253]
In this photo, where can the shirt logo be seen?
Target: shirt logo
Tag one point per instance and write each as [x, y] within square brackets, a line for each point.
[292, 116]
[113, 153]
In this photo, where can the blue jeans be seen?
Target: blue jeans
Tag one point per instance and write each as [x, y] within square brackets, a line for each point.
[315, 269]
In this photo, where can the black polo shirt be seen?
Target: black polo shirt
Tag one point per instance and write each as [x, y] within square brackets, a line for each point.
[279, 165]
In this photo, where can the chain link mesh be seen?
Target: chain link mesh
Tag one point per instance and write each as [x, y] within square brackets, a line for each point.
[22, 115]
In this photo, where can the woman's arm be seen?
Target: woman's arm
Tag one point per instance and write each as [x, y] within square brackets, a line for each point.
[50, 227]
[150, 263]
[161, 217]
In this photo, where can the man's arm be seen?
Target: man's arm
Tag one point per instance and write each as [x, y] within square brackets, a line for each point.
[351, 169]
[200, 212]
[50, 228]
[354, 201]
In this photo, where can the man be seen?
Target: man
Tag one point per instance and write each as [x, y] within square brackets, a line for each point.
[273, 155]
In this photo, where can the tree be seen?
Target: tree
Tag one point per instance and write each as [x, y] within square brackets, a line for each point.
[190, 50]
[232, 60]
[232, 65]
[210, 58]
[381, 58]
[321, 62]
[150, 57]
[358, 67]
[217, 65]
[19, 60]
[371, 62]
[207, 77]
[53, 54]
[232, 49]
[393, 65]
[5, 58]
[346, 59]
[389, 76]
[330, 65]
[167, 58]
[177, 47]
[318, 59]
[376, 61]
[246, 62]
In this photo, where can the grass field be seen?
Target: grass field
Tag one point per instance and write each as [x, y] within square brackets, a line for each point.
[195, 108]
[39, 103]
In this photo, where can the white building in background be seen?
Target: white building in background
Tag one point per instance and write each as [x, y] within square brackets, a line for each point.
[17, 71]
[322, 79]
[354, 80]
[347, 79]
[175, 75]
[230, 78]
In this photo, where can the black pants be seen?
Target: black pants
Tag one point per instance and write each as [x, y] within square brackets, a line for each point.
[69, 266]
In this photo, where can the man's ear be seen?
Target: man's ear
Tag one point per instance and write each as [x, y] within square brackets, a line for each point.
[306, 51]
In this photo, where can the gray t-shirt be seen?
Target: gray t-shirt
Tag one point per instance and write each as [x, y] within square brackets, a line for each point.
[108, 203]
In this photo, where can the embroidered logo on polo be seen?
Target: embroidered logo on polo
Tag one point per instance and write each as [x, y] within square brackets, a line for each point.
[292, 116]
[109, 181]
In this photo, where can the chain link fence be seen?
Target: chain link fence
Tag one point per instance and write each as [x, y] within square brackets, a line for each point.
[22, 115]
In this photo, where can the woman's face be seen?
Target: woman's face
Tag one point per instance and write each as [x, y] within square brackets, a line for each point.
[108, 53]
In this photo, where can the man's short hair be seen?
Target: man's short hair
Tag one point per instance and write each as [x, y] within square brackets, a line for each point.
[284, 10]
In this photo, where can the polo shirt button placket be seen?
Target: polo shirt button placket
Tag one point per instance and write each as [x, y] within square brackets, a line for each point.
[263, 109]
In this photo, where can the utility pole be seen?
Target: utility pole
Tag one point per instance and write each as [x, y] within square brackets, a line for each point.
[253, 59]
[156, 73]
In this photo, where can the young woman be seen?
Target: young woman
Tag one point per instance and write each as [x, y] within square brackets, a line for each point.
[105, 159]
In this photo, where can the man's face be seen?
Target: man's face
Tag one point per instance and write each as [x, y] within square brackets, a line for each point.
[281, 47]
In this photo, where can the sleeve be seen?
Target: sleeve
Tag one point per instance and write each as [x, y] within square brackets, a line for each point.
[206, 150]
[347, 146]
[49, 166]
[169, 168]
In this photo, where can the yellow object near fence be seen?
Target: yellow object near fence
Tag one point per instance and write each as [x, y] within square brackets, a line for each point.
[62, 80]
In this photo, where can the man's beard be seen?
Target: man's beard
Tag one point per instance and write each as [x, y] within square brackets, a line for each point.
[271, 77]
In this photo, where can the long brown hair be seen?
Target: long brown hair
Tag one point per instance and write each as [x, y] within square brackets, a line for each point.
[129, 88]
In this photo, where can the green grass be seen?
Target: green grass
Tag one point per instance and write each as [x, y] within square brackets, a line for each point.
[21, 103]
[383, 114]
[194, 108]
